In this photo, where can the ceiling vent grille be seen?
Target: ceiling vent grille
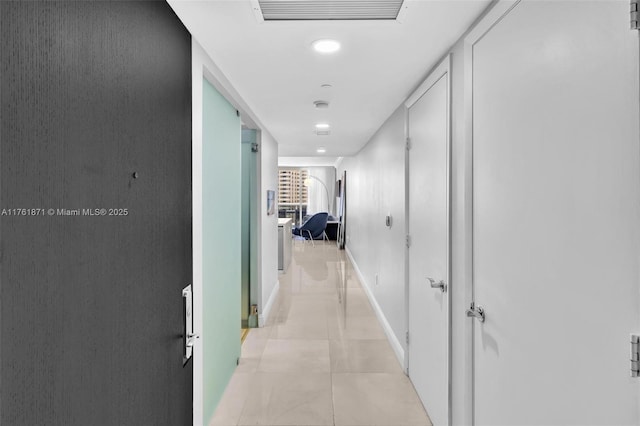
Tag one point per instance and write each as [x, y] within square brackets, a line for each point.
[329, 10]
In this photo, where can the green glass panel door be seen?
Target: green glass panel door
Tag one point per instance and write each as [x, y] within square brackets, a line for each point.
[221, 175]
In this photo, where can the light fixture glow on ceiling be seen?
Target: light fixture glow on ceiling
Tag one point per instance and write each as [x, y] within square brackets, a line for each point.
[321, 150]
[322, 126]
[326, 46]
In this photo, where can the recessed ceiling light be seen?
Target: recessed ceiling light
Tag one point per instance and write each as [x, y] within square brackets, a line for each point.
[326, 46]
[321, 150]
[326, 86]
[321, 104]
[322, 126]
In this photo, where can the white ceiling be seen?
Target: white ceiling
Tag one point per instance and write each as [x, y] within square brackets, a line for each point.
[307, 161]
[277, 73]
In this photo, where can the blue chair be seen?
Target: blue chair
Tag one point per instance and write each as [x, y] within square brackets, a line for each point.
[313, 228]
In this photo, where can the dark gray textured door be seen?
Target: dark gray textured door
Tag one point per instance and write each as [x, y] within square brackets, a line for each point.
[95, 114]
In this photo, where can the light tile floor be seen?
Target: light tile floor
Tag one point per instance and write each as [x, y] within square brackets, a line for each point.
[322, 358]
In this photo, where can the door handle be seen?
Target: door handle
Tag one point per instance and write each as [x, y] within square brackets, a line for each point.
[476, 312]
[440, 284]
[188, 336]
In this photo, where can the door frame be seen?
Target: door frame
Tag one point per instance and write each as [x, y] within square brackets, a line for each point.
[203, 67]
[498, 11]
[440, 71]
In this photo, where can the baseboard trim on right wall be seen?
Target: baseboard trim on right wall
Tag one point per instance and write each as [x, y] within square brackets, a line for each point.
[263, 316]
[391, 336]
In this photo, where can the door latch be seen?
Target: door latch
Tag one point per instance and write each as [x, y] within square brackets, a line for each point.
[440, 284]
[191, 339]
[476, 312]
[188, 336]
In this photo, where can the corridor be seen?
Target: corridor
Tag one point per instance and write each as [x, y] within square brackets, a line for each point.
[322, 358]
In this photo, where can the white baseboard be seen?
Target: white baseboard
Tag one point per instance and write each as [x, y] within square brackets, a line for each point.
[266, 311]
[391, 336]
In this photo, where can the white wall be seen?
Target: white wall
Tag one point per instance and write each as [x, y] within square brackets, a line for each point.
[269, 226]
[319, 199]
[376, 188]
[461, 244]
[366, 195]
[461, 375]
[198, 60]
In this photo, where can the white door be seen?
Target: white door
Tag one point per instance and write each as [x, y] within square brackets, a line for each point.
[429, 252]
[556, 213]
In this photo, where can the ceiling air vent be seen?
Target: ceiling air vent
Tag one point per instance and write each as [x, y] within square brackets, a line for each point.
[327, 10]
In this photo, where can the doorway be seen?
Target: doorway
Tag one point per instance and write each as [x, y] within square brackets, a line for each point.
[250, 232]
[429, 246]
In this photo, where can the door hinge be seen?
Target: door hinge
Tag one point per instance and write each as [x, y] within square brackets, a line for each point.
[633, 12]
[406, 337]
[408, 144]
[408, 241]
[635, 355]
